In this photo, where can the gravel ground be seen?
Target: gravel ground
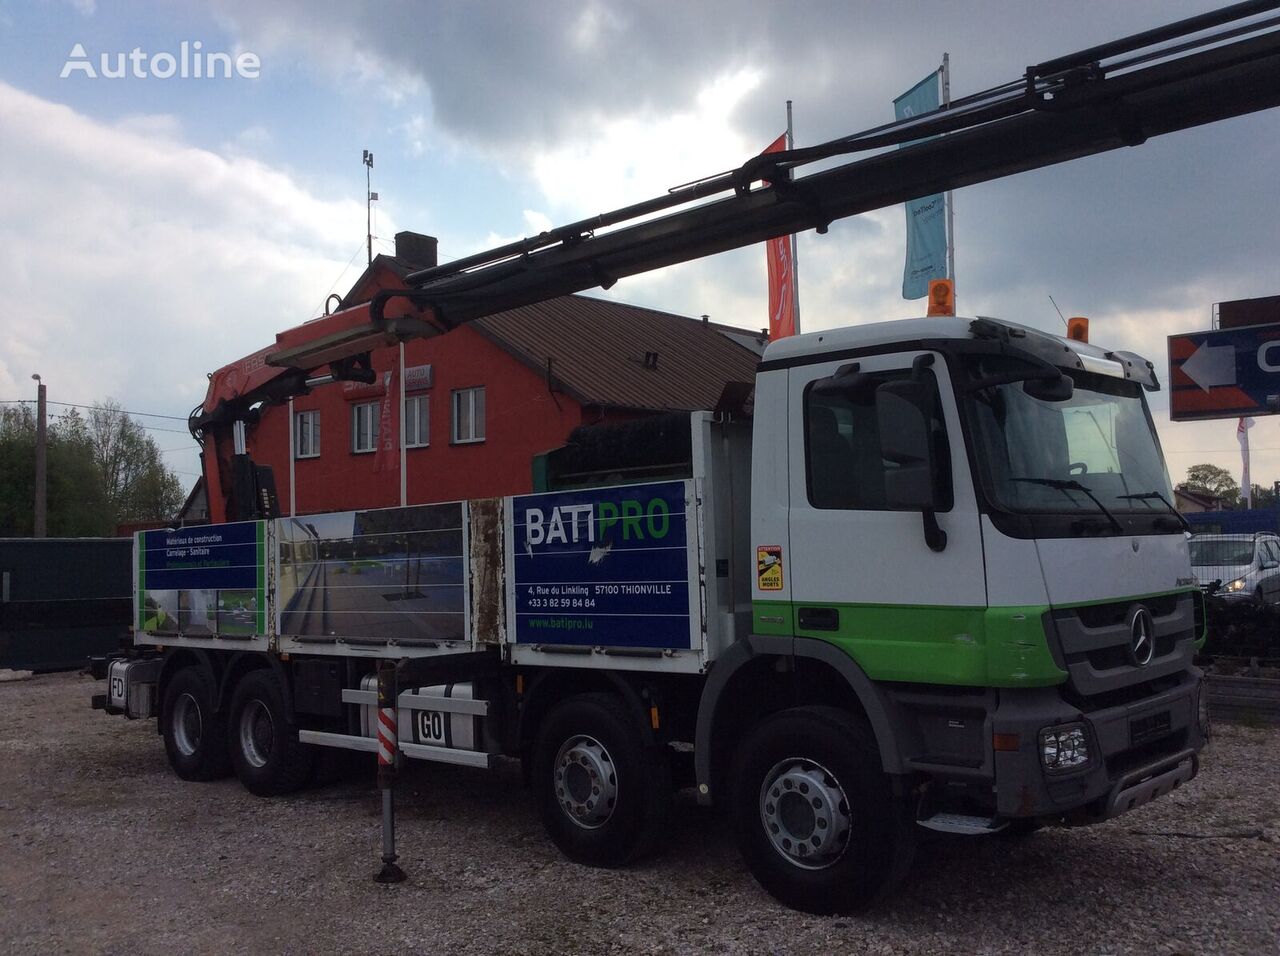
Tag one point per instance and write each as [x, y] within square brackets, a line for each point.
[102, 849]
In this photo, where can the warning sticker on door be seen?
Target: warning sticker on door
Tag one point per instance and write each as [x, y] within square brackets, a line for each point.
[769, 567]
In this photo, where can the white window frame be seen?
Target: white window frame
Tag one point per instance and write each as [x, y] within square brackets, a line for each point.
[466, 399]
[420, 435]
[312, 417]
[373, 411]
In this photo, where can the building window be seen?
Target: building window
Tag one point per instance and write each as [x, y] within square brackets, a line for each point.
[306, 435]
[417, 421]
[468, 415]
[364, 426]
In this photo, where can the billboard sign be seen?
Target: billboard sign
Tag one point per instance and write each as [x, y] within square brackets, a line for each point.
[205, 580]
[606, 567]
[378, 575]
[1224, 373]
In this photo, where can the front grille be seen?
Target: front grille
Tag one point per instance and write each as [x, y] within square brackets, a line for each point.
[1116, 612]
[1096, 640]
[1130, 694]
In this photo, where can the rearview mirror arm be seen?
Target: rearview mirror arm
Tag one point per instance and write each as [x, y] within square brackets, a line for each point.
[934, 536]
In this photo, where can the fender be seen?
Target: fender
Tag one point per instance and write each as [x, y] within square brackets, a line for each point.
[533, 703]
[236, 668]
[878, 708]
[177, 658]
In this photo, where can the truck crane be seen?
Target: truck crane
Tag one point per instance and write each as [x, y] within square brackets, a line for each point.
[1118, 94]
[934, 582]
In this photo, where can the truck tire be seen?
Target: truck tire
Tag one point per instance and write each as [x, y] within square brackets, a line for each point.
[265, 750]
[814, 813]
[602, 791]
[195, 738]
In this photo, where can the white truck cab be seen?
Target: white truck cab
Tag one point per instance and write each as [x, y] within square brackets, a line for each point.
[978, 516]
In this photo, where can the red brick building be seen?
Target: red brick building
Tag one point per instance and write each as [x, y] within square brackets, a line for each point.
[483, 400]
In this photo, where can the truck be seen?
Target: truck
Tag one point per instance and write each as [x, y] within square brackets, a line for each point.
[927, 577]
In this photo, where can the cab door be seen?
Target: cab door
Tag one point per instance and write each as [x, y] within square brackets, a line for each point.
[863, 575]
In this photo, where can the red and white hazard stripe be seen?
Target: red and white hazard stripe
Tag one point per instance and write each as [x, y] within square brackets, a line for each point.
[386, 736]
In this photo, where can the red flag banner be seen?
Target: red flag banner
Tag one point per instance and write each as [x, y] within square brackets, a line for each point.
[387, 455]
[782, 313]
[1246, 482]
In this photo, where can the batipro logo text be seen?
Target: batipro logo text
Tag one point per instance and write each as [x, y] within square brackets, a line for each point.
[190, 62]
[636, 520]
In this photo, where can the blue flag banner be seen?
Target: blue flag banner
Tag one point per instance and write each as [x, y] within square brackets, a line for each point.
[926, 216]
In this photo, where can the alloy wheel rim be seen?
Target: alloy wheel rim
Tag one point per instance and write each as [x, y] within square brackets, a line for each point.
[257, 733]
[188, 726]
[586, 781]
[805, 813]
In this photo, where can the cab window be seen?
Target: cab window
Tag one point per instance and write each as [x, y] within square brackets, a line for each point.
[843, 466]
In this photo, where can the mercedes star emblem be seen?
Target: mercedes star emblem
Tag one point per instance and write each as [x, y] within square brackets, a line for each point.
[1142, 637]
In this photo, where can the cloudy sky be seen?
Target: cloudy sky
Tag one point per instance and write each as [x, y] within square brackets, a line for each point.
[155, 229]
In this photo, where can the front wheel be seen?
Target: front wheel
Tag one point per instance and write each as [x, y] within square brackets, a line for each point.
[814, 814]
[602, 790]
[265, 750]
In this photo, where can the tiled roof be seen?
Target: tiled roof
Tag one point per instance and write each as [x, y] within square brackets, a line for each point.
[609, 353]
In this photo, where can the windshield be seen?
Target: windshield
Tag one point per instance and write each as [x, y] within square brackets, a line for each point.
[1094, 453]
[1208, 552]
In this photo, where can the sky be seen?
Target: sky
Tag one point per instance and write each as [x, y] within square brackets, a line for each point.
[153, 229]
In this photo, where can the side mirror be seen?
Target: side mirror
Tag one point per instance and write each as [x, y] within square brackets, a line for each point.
[1049, 389]
[845, 380]
[903, 415]
[1269, 563]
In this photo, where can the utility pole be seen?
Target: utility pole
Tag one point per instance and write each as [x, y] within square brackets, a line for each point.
[368, 202]
[41, 444]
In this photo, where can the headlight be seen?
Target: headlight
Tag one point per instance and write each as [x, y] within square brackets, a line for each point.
[1064, 747]
[1235, 586]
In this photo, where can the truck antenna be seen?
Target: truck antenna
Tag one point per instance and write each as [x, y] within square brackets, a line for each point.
[1059, 311]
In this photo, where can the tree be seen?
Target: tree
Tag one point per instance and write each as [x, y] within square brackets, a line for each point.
[77, 505]
[137, 484]
[101, 471]
[1212, 480]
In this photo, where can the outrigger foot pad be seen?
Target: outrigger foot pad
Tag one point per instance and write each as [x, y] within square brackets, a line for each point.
[390, 873]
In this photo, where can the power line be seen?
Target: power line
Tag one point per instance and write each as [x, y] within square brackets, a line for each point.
[336, 278]
[32, 401]
[145, 428]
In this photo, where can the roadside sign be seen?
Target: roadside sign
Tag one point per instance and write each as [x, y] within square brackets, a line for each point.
[1224, 373]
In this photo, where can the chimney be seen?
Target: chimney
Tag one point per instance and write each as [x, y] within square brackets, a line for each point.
[416, 249]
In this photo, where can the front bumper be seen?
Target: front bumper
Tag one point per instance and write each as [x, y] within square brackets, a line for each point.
[1142, 745]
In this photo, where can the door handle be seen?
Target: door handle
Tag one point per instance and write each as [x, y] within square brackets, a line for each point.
[820, 618]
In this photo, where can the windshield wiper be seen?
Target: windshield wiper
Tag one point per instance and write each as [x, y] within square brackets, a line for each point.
[1067, 485]
[1148, 495]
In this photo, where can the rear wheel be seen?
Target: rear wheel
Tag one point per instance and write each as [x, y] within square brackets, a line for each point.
[602, 791]
[265, 750]
[814, 814]
[195, 738]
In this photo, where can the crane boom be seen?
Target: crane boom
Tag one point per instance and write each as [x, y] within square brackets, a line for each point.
[1186, 74]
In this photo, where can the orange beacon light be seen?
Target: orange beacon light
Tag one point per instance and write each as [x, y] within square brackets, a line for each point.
[942, 297]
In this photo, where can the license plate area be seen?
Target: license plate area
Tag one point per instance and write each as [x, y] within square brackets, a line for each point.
[1150, 727]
